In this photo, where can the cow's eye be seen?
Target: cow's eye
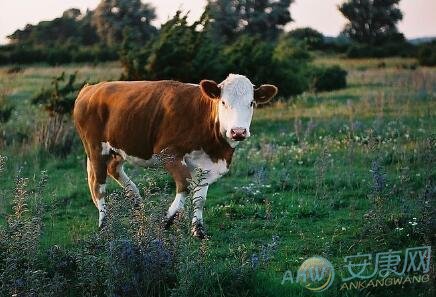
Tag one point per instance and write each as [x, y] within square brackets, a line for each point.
[253, 103]
[223, 103]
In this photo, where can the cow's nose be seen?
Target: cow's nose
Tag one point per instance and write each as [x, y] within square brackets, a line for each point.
[238, 134]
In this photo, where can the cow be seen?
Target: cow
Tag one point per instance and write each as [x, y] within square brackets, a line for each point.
[198, 125]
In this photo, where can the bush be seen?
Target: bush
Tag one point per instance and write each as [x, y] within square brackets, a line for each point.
[290, 63]
[388, 49]
[252, 57]
[6, 109]
[312, 38]
[56, 134]
[427, 54]
[173, 51]
[25, 54]
[59, 99]
[327, 78]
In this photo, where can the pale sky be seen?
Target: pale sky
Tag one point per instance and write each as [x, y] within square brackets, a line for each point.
[419, 15]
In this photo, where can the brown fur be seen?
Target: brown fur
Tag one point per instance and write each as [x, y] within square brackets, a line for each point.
[143, 118]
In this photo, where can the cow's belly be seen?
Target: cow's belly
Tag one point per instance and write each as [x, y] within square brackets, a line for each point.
[211, 170]
[154, 161]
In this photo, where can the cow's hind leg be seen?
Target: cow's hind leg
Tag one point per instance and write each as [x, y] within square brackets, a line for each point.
[91, 180]
[116, 171]
[97, 166]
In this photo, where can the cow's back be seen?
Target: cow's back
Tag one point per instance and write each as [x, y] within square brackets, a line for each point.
[130, 115]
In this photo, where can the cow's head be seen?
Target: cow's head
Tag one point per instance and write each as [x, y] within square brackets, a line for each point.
[237, 98]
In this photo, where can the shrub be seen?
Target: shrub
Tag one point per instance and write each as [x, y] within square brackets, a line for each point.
[56, 134]
[427, 54]
[6, 109]
[23, 55]
[252, 57]
[327, 78]
[387, 49]
[290, 63]
[58, 56]
[172, 52]
[182, 53]
[59, 99]
[312, 38]
[19, 273]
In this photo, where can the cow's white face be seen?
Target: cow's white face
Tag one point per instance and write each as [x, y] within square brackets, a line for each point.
[237, 98]
[235, 109]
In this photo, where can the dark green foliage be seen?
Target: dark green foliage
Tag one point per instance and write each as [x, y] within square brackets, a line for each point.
[56, 134]
[387, 49]
[327, 78]
[230, 19]
[59, 99]
[172, 52]
[71, 28]
[371, 21]
[111, 17]
[290, 62]
[264, 62]
[252, 57]
[6, 109]
[182, 53]
[312, 38]
[427, 54]
[70, 38]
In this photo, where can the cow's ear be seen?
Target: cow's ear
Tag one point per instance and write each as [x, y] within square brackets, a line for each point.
[264, 93]
[210, 89]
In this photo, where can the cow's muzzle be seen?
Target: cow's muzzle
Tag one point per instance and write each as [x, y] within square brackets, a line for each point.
[238, 134]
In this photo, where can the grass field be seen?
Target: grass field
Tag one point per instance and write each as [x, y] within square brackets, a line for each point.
[330, 174]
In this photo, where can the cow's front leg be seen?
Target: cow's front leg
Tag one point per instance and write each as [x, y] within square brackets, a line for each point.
[180, 174]
[199, 198]
[175, 208]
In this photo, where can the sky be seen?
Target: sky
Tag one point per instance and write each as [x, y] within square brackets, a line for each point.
[419, 15]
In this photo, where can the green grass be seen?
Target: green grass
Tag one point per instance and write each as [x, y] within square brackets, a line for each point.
[304, 175]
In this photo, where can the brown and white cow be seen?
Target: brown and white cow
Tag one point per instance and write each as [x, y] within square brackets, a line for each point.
[134, 121]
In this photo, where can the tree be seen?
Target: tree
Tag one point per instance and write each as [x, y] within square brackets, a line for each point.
[231, 18]
[112, 17]
[371, 21]
[72, 28]
[173, 51]
[312, 38]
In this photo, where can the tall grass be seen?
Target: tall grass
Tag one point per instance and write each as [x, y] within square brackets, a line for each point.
[131, 256]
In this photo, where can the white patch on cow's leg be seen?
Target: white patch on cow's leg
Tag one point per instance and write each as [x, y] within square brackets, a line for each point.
[130, 188]
[177, 205]
[105, 148]
[101, 204]
[198, 200]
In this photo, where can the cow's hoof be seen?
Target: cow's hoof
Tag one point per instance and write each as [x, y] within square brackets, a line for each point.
[168, 222]
[198, 230]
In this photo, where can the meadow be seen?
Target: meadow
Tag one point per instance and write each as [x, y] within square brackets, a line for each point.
[331, 174]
